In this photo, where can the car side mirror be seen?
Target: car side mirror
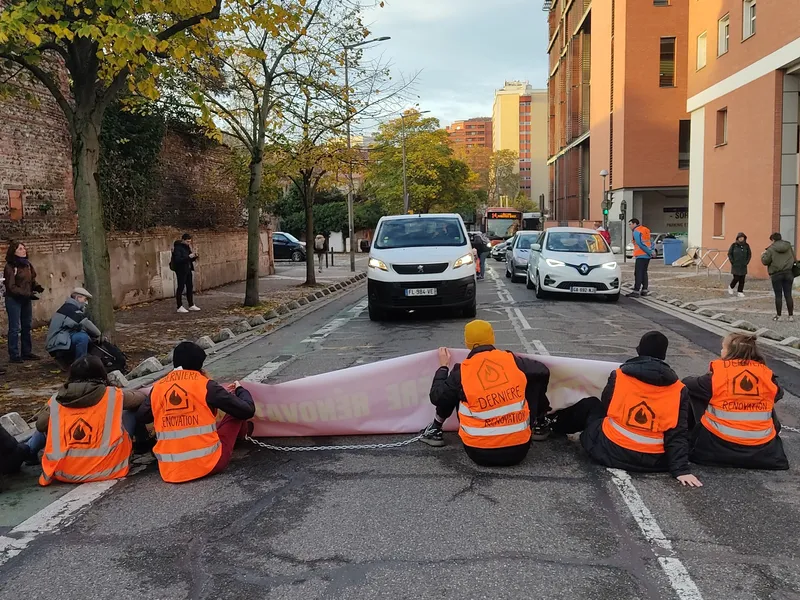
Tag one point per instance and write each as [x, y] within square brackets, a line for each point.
[615, 249]
[536, 247]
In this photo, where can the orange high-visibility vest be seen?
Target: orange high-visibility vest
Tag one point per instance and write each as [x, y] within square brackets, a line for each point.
[637, 251]
[495, 412]
[86, 444]
[187, 445]
[640, 413]
[742, 399]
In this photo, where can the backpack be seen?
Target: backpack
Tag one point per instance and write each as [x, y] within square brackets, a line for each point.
[319, 243]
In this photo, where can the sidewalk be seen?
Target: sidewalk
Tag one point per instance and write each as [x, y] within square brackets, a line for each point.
[154, 328]
[711, 292]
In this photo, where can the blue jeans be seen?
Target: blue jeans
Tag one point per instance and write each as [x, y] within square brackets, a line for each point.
[80, 344]
[20, 317]
[38, 440]
[483, 258]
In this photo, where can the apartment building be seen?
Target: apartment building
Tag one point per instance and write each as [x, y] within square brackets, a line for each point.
[743, 96]
[519, 123]
[616, 94]
[472, 133]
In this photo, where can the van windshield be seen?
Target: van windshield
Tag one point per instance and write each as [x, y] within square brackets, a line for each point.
[416, 232]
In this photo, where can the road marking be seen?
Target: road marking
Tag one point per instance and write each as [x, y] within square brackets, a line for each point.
[676, 572]
[338, 322]
[540, 349]
[793, 363]
[502, 291]
[518, 328]
[268, 369]
[523, 321]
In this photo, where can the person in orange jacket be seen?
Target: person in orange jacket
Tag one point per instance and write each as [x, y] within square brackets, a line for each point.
[640, 423]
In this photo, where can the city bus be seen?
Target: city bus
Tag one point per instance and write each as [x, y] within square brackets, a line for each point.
[499, 223]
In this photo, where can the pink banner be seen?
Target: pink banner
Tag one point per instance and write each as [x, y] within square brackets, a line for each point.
[391, 396]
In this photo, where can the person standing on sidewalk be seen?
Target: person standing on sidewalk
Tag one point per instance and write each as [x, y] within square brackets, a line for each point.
[21, 289]
[642, 253]
[183, 259]
[739, 255]
[319, 249]
[780, 259]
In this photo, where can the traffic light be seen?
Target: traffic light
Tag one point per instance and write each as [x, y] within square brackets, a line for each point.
[605, 211]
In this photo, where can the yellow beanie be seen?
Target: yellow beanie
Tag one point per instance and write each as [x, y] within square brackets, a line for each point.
[478, 333]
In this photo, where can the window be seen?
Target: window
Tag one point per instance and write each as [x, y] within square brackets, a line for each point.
[702, 45]
[684, 133]
[724, 35]
[722, 127]
[667, 63]
[719, 219]
[748, 19]
[15, 205]
[660, 2]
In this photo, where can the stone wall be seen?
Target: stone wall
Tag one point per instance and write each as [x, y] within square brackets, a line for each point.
[139, 266]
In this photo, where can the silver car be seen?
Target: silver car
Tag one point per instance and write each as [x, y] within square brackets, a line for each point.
[518, 255]
[657, 239]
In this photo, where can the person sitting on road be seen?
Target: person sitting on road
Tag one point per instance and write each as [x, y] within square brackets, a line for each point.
[496, 393]
[641, 421]
[70, 330]
[13, 454]
[87, 427]
[182, 408]
[733, 404]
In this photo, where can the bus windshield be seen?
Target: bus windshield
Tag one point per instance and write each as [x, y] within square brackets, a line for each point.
[501, 229]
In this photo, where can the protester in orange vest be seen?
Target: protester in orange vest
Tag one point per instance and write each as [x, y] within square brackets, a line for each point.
[642, 252]
[183, 408]
[641, 421]
[734, 404]
[89, 427]
[496, 394]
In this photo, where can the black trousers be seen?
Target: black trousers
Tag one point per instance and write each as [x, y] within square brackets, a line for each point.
[12, 453]
[738, 280]
[640, 280]
[575, 418]
[498, 457]
[184, 282]
[782, 287]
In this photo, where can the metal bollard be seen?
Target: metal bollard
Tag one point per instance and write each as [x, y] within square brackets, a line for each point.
[326, 260]
[331, 256]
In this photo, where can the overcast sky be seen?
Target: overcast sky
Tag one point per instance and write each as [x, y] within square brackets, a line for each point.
[465, 49]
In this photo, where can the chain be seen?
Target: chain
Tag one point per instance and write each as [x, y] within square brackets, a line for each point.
[792, 429]
[343, 447]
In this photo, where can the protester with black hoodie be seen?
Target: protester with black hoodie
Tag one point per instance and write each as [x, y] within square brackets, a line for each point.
[641, 421]
[183, 259]
[779, 258]
[739, 255]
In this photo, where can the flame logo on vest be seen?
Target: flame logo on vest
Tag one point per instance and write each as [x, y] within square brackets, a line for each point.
[491, 375]
[746, 384]
[641, 416]
[177, 399]
[80, 433]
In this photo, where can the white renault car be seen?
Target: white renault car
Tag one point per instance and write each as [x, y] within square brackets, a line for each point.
[420, 262]
[572, 260]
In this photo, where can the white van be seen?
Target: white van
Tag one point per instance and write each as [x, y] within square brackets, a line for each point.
[418, 262]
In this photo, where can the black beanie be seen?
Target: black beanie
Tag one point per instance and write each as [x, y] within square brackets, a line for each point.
[654, 344]
[189, 356]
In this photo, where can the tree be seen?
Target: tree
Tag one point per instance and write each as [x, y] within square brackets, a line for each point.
[478, 159]
[525, 204]
[84, 53]
[504, 176]
[436, 179]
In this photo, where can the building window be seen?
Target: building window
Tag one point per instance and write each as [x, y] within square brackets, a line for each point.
[667, 63]
[749, 19]
[660, 2]
[702, 45]
[719, 219]
[722, 127]
[15, 205]
[724, 35]
[684, 135]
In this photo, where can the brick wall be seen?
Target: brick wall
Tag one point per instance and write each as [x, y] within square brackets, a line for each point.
[139, 266]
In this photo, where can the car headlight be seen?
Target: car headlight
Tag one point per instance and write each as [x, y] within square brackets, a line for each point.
[611, 265]
[464, 260]
[374, 263]
[551, 262]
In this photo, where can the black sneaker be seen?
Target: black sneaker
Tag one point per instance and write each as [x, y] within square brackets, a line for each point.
[16, 360]
[645, 293]
[540, 429]
[432, 435]
[634, 294]
[31, 356]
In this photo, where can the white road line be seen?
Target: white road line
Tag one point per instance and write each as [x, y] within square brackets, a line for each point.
[793, 363]
[540, 349]
[333, 325]
[523, 321]
[265, 371]
[676, 572]
[518, 327]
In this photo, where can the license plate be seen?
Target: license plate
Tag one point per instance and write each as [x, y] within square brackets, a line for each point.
[421, 292]
[583, 290]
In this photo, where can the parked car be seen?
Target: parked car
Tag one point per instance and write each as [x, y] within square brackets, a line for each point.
[518, 254]
[573, 260]
[656, 238]
[499, 251]
[286, 246]
[419, 262]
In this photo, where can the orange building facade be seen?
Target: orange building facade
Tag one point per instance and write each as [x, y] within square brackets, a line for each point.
[472, 133]
[743, 97]
[616, 92]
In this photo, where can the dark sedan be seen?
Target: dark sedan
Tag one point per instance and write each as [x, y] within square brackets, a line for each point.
[286, 246]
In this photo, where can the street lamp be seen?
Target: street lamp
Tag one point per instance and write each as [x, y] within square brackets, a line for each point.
[350, 217]
[405, 181]
[604, 204]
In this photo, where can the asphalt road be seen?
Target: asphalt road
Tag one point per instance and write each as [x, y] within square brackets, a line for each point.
[422, 522]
